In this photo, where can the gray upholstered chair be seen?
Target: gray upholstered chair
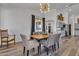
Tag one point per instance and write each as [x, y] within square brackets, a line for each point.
[48, 45]
[28, 44]
[56, 40]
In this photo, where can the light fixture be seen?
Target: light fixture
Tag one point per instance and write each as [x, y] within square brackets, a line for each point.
[44, 7]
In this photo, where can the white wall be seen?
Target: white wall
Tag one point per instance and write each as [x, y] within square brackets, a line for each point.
[52, 15]
[76, 17]
[72, 25]
[18, 20]
[76, 25]
[65, 14]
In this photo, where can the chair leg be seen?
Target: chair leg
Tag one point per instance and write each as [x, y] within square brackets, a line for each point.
[1, 44]
[38, 50]
[33, 49]
[7, 42]
[47, 51]
[53, 48]
[24, 51]
[27, 52]
[14, 41]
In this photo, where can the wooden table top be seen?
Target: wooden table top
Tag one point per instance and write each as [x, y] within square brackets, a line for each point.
[39, 36]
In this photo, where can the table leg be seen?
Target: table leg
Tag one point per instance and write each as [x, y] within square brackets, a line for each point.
[58, 44]
[39, 48]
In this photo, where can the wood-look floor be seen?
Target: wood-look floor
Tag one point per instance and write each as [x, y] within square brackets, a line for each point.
[68, 47]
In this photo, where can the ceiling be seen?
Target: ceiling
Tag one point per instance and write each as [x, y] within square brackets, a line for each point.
[36, 6]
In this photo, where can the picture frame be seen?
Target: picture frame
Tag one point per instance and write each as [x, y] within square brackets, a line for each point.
[60, 17]
[38, 25]
[78, 20]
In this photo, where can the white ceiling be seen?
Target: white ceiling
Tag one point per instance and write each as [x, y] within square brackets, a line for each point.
[36, 6]
[75, 9]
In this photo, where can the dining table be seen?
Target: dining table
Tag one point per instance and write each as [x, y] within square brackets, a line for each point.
[39, 37]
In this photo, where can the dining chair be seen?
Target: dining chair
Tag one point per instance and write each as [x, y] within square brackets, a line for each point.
[6, 38]
[48, 45]
[56, 40]
[28, 44]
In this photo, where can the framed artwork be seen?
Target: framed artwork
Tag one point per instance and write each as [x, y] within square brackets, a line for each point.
[60, 17]
[38, 25]
[78, 20]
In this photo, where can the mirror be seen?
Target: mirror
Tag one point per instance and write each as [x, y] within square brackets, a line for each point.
[38, 25]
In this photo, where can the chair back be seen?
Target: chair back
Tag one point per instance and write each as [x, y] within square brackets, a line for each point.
[24, 40]
[4, 33]
[50, 40]
[57, 37]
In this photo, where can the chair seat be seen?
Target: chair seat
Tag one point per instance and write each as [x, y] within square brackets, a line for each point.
[32, 44]
[9, 40]
[47, 45]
